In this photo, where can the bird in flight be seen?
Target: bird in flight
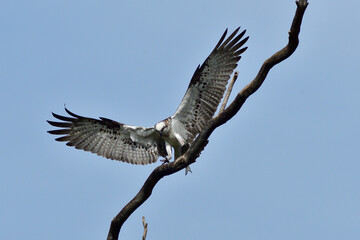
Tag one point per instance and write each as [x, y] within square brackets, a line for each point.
[144, 145]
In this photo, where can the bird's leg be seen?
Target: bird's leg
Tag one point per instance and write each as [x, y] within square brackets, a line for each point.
[183, 150]
[187, 169]
[168, 153]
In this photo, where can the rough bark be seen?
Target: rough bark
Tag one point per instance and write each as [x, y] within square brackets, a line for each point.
[202, 139]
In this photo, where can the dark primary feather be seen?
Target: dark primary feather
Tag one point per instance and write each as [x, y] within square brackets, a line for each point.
[109, 138]
[208, 84]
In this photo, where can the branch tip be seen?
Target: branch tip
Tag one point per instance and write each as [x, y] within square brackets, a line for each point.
[302, 3]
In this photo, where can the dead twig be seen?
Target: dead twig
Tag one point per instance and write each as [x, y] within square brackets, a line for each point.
[228, 91]
[145, 225]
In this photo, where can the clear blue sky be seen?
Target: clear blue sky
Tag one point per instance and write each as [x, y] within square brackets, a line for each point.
[286, 167]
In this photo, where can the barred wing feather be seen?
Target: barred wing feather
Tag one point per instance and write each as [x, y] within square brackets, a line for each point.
[207, 86]
[111, 139]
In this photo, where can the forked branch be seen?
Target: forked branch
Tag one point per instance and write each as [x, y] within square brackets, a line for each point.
[202, 139]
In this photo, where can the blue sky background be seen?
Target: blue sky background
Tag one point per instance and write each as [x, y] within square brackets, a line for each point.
[286, 167]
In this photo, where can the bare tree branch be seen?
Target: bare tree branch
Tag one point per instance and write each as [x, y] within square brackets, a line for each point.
[145, 225]
[228, 91]
[202, 139]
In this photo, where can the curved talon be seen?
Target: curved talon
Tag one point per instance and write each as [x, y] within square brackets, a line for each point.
[164, 161]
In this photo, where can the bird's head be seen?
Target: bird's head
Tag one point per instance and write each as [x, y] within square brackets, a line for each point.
[161, 127]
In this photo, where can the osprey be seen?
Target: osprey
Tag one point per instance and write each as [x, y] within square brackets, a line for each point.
[140, 145]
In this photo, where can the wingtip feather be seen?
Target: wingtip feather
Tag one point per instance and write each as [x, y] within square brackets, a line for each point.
[221, 39]
[67, 119]
[59, 124]
[60, 131]
[72, 114]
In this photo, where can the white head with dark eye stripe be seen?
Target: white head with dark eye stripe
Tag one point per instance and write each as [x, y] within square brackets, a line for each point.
[161, 127]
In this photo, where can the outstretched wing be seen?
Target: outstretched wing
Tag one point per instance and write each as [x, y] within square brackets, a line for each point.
[207, 86]
[110, 139]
